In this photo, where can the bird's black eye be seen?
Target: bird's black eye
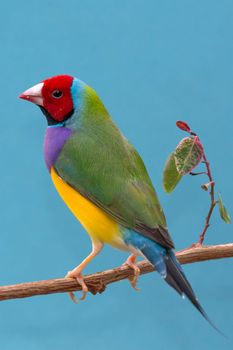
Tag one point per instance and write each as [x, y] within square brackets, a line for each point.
[57, 93]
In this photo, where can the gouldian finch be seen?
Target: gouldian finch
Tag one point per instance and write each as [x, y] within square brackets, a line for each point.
[103, 181]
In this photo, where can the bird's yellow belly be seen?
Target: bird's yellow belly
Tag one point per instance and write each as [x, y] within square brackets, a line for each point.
[99, 225]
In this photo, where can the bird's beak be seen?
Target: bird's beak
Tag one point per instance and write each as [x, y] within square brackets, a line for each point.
[34, 94]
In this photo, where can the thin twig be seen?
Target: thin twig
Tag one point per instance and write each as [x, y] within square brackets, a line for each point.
[97, 282]
[213, 202]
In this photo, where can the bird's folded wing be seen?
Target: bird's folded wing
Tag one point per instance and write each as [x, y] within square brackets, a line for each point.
[114, 178]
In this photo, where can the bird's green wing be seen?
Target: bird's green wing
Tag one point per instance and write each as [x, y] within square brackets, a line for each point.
[101, 165]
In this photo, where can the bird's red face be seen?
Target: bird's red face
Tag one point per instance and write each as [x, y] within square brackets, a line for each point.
[53, 96]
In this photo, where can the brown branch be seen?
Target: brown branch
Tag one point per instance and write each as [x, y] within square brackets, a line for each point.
[97, 282]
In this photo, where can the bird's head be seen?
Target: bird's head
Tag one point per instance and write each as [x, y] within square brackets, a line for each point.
[56, 96]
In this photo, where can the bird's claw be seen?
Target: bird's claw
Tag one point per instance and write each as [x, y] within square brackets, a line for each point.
[131, 262]
[133, 280]
[79, 278]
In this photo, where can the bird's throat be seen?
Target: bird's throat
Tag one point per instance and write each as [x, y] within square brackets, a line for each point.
[51, 121]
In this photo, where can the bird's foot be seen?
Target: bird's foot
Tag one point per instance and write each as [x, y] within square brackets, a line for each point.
[79, 278]
[131, 262]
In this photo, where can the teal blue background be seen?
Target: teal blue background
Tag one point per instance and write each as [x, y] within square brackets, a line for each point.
[152, 63]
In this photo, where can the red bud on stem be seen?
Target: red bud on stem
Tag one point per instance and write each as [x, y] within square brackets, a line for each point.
[183, 126]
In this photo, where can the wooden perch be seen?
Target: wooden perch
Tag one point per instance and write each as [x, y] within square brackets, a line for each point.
[97, 282]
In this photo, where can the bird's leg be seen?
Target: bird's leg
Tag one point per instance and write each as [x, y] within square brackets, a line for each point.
[131, 262]
[76, 273]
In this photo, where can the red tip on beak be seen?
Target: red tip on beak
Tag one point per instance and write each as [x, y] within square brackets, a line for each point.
[24, 97]
[34, 94]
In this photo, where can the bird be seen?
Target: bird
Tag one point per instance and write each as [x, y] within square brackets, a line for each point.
[104, 182]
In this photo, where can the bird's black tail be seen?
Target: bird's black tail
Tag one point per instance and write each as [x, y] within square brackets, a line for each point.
[175, 277]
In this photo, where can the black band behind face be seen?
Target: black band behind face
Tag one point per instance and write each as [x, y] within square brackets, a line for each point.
[52, 121]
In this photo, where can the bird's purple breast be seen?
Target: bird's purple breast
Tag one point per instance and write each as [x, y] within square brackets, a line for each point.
[55, 138]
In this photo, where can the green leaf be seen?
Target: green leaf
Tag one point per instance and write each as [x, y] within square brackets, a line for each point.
[188, 155]
[171, 177]
[222, 210]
